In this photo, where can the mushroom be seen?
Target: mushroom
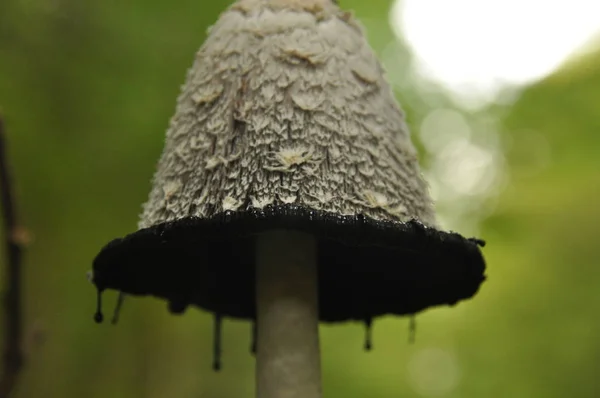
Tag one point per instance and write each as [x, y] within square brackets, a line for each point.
[289, 193]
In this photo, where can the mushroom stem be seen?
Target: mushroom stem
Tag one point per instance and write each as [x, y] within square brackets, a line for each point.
[287, 359]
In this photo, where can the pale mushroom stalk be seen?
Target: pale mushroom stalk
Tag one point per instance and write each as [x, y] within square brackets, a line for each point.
[288, 357]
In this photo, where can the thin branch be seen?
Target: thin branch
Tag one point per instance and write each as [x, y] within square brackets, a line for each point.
[13, 334]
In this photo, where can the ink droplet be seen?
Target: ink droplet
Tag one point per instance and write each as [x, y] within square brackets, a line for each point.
[217, 366]
[368, 334]
[98, 317]
[178, 305]
[412, 330]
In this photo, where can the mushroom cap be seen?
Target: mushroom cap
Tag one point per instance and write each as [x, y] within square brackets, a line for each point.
[286, 121]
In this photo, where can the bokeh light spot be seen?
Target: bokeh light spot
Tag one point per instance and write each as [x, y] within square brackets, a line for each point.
[478, 48]
[434, 372]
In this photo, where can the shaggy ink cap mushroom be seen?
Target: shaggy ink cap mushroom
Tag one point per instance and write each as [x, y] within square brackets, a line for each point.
[286, 122]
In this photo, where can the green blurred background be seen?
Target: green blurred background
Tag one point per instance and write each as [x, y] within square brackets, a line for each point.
[87, 89]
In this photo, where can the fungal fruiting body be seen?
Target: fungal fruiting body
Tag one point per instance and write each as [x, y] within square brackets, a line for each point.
[286, 122]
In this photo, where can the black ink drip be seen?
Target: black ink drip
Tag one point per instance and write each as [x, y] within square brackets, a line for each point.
[368, 334]
[117, 311]
[178, 305]
[253, 343]
[217, 343]
[98, 317]
[479, 242]
[412, 330]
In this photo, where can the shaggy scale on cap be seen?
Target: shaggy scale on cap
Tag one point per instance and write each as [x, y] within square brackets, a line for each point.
[286, 121]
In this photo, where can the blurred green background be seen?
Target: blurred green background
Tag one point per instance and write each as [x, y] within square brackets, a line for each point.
[87, 89]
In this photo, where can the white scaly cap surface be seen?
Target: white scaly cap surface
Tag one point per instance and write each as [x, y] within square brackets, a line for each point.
[286, 103]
